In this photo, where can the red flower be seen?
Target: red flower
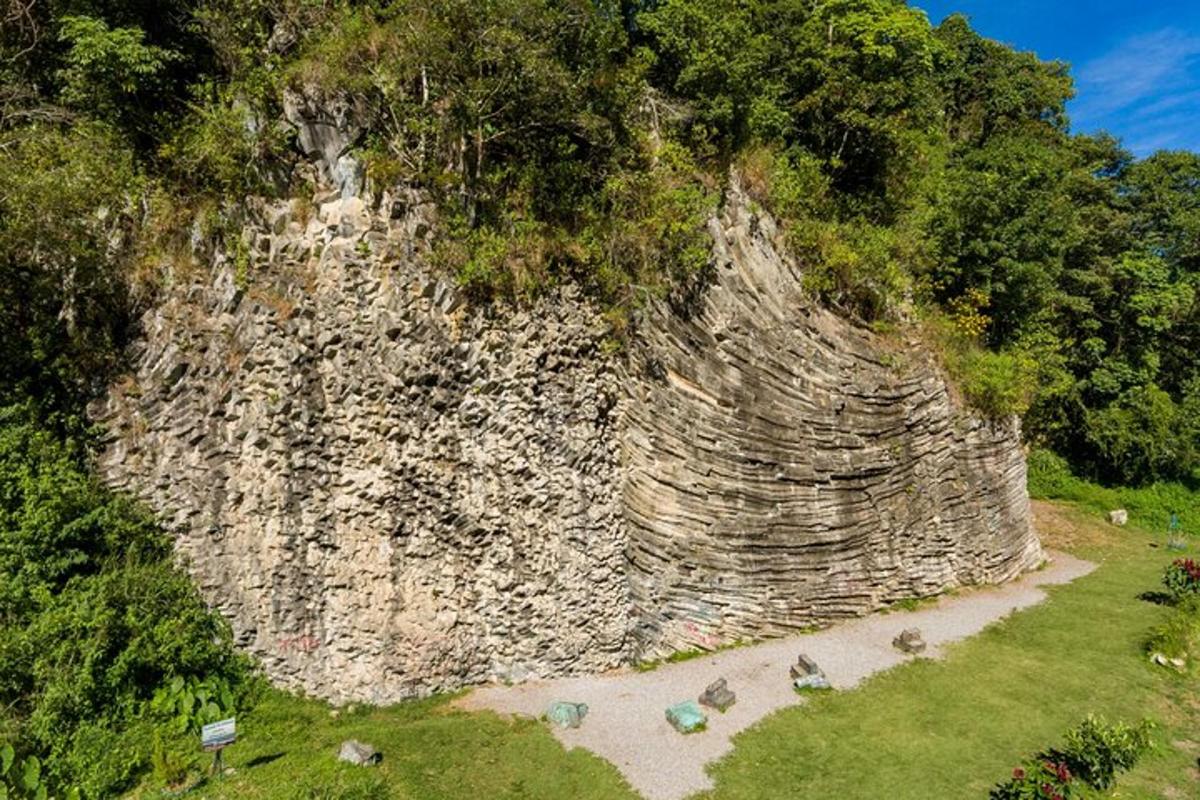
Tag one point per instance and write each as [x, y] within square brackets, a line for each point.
[1019, 774]
[1064, 774]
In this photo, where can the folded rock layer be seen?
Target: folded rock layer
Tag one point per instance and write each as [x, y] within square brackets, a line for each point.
[389, 492]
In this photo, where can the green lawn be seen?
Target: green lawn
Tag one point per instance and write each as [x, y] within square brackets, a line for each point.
[926, 731]
[287, 751]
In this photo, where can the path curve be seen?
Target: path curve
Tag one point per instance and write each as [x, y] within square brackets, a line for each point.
[626, 724]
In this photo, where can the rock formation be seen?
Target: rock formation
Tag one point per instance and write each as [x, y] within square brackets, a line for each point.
[389, 491]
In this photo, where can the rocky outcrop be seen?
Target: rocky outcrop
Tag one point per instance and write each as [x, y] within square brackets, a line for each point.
[385, 493]
[390, 492]
[785, 468]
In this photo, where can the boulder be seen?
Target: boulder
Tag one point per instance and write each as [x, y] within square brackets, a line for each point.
[718, 696]
[566, 715]
[909, 641]
[1119, 517]
[686, 717]
[356, 752]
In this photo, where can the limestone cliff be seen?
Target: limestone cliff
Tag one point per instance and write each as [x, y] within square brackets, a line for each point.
[389, 491]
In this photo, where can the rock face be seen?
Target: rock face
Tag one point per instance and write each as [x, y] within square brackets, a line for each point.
[784, 468]
[389, 492]
[386, 495]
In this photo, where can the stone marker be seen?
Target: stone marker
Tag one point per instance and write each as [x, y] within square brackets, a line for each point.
[686, 717]
[566, 715]
[909, 641]
[718, 696]
[807, 675]
[804, 667]
[1119, 517]
[355, 752]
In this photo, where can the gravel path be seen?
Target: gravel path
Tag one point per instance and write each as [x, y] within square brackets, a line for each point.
[626, 724]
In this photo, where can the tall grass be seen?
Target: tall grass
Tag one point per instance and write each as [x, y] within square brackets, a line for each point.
[1149, 507]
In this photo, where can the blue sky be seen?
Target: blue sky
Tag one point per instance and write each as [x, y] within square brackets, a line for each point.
[1136, 64]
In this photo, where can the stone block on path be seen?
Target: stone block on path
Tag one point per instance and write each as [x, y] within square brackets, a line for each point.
[686, 717]
[718, 696]
[804, 667]
[566, 715]
[1120, 517]
[909, 641]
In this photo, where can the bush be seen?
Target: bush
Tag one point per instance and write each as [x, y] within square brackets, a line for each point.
[1096, 751]
[1182, 578]
[1179, 636]
[94, 618]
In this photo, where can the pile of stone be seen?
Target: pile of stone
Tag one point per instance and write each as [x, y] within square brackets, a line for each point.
[566, 715]
[686, 717]
[718, 696]
[807, 675]
[909, 641]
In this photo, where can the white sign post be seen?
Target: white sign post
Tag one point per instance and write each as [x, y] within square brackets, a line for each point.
[217, 736]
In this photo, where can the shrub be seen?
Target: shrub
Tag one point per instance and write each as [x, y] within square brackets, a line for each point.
[1095, 752]
[1038, 780]
[94, 618]
[1098, 751]
[1182, 578]
[1179, 636]
[24, 778]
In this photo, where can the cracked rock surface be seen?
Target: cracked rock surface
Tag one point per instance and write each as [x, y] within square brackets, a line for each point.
[390, 492]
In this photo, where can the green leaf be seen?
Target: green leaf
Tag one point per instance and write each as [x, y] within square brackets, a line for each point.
[7, 754]
[72, 794]
[32, 774]
[40, 794]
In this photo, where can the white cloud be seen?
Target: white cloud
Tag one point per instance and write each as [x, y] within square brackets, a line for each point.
[1148, 87]
[1149, 66]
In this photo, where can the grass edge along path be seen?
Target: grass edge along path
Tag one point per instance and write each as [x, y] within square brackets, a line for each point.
[288, 749]
[939, 730]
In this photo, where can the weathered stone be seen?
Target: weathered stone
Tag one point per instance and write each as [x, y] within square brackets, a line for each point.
[816, 680]
[388, 493]
[355, 752]
[804, 667]
[909, 641]
[1119, 517]
[566, 715]
[718, 696]
[686, 717]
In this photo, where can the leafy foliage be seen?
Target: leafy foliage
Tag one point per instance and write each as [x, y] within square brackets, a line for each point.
[1182, 578]
[94, 617]
[1097, 751]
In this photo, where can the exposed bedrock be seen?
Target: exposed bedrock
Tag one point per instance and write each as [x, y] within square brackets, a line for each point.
[784, 468]
[390, 492]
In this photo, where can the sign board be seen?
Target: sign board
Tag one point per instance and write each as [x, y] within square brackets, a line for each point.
[218, 734]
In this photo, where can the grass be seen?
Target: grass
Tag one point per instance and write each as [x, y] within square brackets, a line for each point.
[287, 750]
[1149, 507]
[951, 729]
